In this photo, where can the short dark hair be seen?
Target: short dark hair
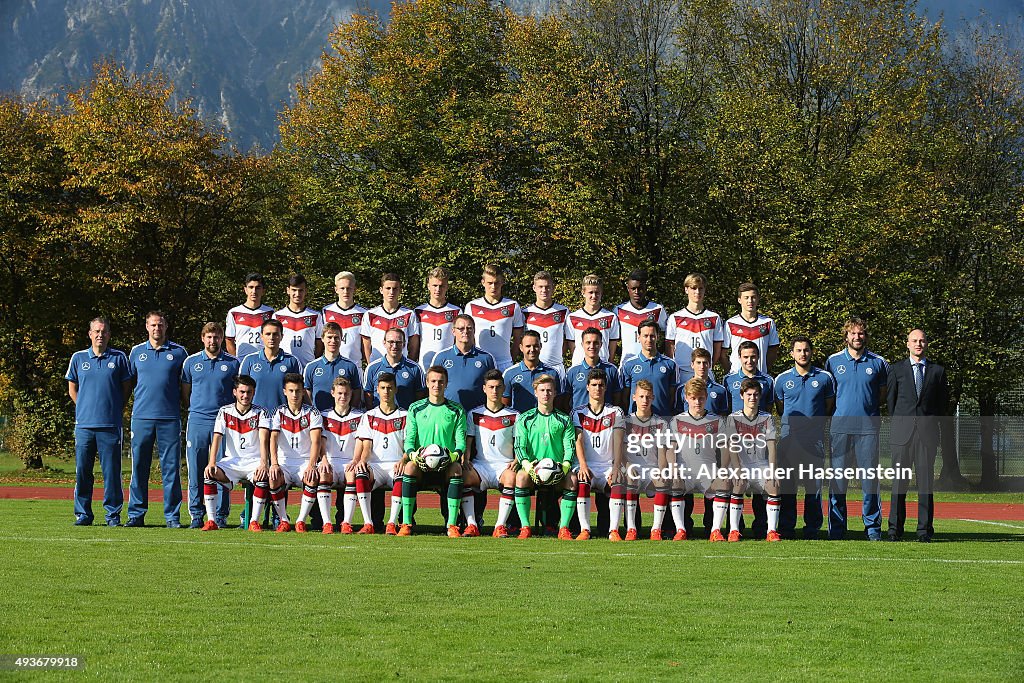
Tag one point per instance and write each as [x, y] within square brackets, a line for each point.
[639, 275]
[438, 370]
[390, 277]
[297, 280]
[801, 339]
[592, 330]
[386, 378]
[649, 323]
[750, 383]
[531, 333]
[246, 381]
[293, 378]
[748, 345]
[254, 277]
[597, 374]
[493, 374]
[271, 322]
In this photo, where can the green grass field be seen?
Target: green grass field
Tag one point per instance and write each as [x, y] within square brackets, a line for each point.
[159, 604]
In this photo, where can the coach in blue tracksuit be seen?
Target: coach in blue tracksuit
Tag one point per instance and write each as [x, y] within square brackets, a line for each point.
[207, 379]
[99, 380]
[156, 421]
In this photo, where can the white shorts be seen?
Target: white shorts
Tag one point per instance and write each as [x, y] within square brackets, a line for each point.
[645, 482]
[293, 471]
[490, 473]
[697, 470]
[239, 469]
[756, 485]
[599, 474]
[382, 477]
[337, 466]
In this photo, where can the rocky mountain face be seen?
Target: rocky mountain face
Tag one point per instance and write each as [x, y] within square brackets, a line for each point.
[237, 60]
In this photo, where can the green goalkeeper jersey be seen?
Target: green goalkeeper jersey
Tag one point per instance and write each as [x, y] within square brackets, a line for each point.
[540, 436]
[442, 425]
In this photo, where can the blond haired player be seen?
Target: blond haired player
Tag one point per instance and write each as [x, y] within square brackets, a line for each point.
[436, 318]
[643, 455]
[693, 327]
[499, 320]
[592, 315]
[339, 467]
[695, 431]
[349, 317]
[547, 318]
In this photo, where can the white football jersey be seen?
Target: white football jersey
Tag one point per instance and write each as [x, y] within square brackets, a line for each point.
[691, 331]
[549, 323]
[643, 450]
[301, 330]
[340, 434]
[243, 325]
[696, 439]
[377, 321]
[578, 321]
[350, 320]
[386, 434]
[435, 330]
[293, 439]
[493, 432]
[599, 433]
[750, 436]
[494, 325]
[761, 331]
[241, 431]
[630, 318]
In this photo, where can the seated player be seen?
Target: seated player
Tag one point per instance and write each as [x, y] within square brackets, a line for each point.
[489, 436]
[338, 467]
[643, 425]
[541, 433]
[435, 421]
[695, 431]
[599, 438]
[242, 428]
[380, 437]
[295, 430]
[752, 448]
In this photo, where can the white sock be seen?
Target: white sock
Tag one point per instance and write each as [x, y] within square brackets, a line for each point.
[659, 510]
[323, 499]
[210, 492]
[349, 503]
[396, 509]
[363, 497]
[308, 501]
[735, 513]
[279, 497]
[469, 508]
[631, 504]
[677, 506]
[719, 507]
[615, 510]
[583, 511]
[259, 501]
[772, 508]
[505, 505]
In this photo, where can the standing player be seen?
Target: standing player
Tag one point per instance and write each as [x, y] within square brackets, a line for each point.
[643, 425]
[242, 332]
[389, 315]
[541, 433]
[751, 326]
[804, 396]
[302, 325]
[407, 373]
[547, 319]
[436, 421]
[592, 315]
[500, 320]
[381, 437]
[694, 327]
[349, 317]
[207, 383]
[862, 379]
[435, 318]
[295, 431]
[340, 468]
[490, 428]
[636, 310]
[695, 430]
[466, 363]
[519, 378]
[156, 421]
[600, 429]
[241, 429]
[576, 376]
[99, 379]
[269, 365]
[319, 375]
[751, 434]
[647, 364]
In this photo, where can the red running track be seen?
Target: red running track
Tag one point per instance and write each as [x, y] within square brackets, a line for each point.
[1008, 512]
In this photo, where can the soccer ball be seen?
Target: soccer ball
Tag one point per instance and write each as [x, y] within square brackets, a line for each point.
[433, 458]
[547, 472]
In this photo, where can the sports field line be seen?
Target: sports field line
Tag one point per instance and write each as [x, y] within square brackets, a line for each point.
[985, 521]
[491, 551]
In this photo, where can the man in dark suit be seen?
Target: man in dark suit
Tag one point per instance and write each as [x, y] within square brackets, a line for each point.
[918, 396]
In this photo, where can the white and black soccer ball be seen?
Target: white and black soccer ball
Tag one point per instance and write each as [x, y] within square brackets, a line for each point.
[546, 472]
[433, 458]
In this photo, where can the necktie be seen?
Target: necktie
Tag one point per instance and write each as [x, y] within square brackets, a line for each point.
[918, 377]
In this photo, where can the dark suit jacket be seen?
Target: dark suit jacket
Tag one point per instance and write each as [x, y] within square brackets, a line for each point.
[911, 413]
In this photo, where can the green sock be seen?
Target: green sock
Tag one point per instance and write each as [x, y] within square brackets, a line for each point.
[523, 506]
[408, 498]
[568, 507]
[454, 499]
